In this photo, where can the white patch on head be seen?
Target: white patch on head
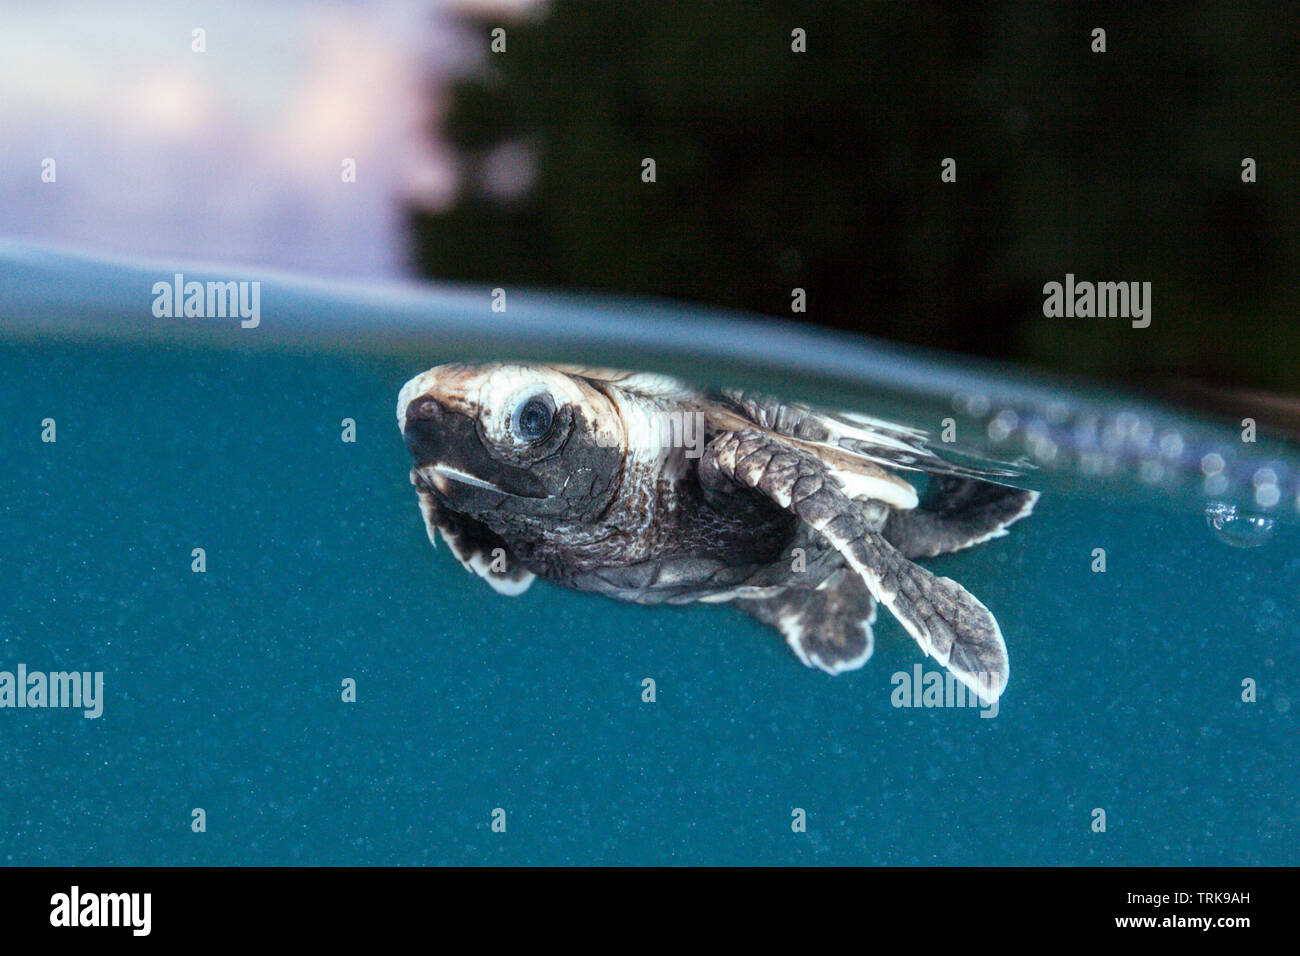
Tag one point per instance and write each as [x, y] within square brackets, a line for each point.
[491, 393]
[412, 390]
[454, 385]
[640, 422]
[508, 386]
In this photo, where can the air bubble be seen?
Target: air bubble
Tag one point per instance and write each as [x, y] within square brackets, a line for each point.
[1046, 452]
[1238, 528]
[1265, 476]
[1112, 436]
[1003, 424]
[975, 405]
[1267, 496]
[1058, 413]
[1151, 471]
[1091, 462]
[1127, 423]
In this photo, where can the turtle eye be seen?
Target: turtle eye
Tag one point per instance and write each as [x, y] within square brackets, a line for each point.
[532, 418]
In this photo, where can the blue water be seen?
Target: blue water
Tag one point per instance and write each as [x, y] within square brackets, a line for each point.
[223, 689]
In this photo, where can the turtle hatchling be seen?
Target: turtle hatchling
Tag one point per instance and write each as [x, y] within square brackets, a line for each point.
[643, 488]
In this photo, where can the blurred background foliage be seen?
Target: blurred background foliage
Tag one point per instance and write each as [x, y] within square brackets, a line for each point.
[821, 170]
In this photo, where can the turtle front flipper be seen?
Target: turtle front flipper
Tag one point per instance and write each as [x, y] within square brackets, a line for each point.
[476, 546]
[957, 513]
[827, 627]
[947, 621]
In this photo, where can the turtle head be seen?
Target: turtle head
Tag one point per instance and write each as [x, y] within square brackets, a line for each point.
[501, 442]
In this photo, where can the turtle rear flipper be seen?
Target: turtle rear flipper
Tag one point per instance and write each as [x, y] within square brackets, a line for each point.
[947, 621]
[828, 627]
[957, 513]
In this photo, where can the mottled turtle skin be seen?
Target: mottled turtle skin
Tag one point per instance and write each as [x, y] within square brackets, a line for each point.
[642, 488]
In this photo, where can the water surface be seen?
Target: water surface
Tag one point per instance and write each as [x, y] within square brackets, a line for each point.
[223, 689]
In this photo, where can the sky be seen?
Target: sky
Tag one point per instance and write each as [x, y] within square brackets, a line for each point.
[234, 154]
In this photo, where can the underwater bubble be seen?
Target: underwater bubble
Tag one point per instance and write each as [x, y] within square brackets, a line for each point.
[1265, 476]
[1003, 424]
[1241, 529]
[1171, 444]
[975, 405]
[1038, 435]
[1151, 472]
[1216, 484]
[1045, 450]
[1267, 493]
[1092, 463]
[1057, 413]
[1267, 496]
[1126, 426]
[1085, 432]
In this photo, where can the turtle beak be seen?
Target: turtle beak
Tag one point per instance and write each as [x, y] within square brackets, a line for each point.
[452, 462]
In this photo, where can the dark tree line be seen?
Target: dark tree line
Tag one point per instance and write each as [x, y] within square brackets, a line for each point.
[821, 170]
